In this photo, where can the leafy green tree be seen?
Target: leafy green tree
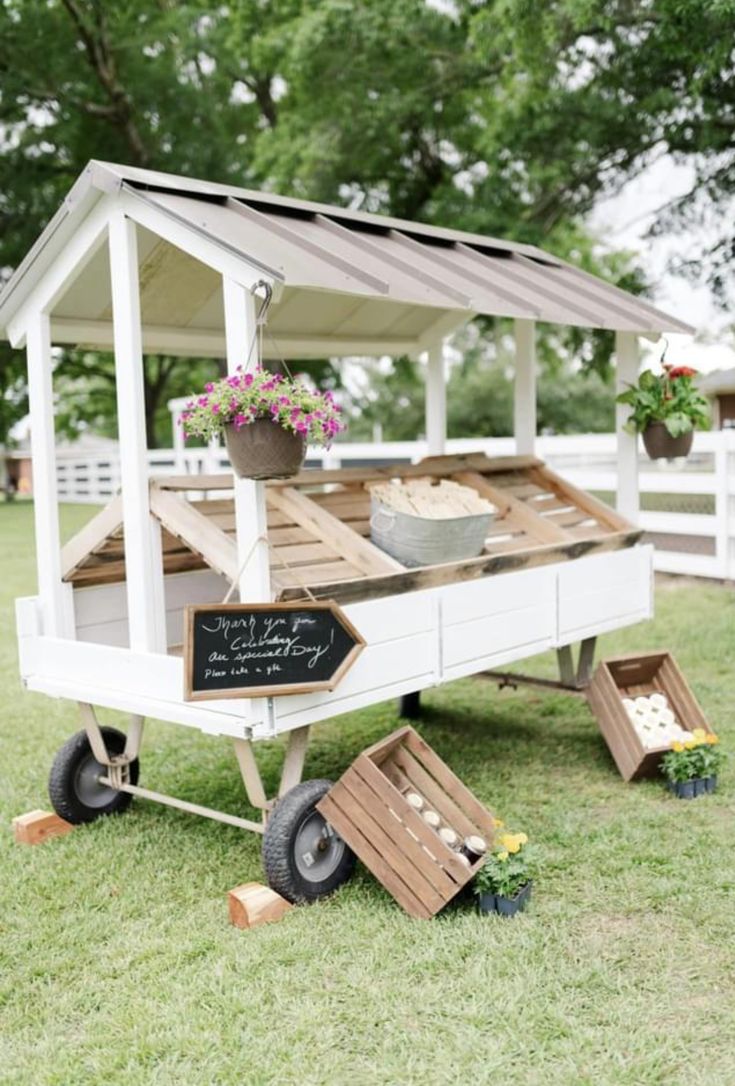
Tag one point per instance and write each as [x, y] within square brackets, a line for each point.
[505, 118]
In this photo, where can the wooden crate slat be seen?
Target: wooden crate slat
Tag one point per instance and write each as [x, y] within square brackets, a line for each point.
[316, 575]
[438, 466]
[441, 801]
[672, 679]
[181, 519]
[381, 784]
[339, 808]
[451, 783]
[393, 854]
[416, 862]
[302, 554]
[344, 511]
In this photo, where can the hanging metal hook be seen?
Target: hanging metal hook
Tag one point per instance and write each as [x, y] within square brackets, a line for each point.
[265, 302]
[666, 347]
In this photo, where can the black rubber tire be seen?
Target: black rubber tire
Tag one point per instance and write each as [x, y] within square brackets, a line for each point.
[409, 705]
[70, 793]
[284, 870]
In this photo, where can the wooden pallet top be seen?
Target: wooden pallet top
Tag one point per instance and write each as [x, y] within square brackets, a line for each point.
[319, 528]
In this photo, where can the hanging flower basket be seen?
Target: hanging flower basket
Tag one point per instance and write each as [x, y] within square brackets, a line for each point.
[266, 419]
[666, 409]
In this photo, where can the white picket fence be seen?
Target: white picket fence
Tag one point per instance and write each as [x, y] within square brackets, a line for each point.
[688, 508]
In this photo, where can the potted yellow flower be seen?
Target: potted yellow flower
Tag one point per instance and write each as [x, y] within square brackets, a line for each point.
[502, 884]
[691, 766]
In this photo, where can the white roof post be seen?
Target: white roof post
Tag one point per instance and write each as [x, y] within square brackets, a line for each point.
[436, 400]
[55, 596]
[143, 558]
[250, 510]
[524, 395]
[626, 373]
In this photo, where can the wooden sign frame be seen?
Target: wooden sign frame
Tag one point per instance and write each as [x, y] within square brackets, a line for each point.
[274, 690]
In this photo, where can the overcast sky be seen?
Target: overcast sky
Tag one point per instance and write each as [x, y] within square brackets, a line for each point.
[622, 221]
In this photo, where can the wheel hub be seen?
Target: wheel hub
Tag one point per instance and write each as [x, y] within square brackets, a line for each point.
[87, 784]
[318, 850]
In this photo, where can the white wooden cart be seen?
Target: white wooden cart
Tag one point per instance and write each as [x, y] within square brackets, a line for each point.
[148, 262]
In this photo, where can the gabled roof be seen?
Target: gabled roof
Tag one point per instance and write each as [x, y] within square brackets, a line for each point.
[342, 275]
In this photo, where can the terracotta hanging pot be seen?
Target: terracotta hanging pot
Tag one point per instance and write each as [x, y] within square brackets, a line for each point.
[264, 450]
[660, 445]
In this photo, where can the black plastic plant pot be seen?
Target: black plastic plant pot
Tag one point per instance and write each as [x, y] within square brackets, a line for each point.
[486, 903]
[509, 906]
[682, 789]
[710, 783]
[505, 906]
[700, 786]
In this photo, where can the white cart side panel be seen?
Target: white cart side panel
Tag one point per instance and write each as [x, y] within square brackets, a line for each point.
[402, 654]
[604, 592]
[492, 621]
[103, 675]
[189, 714]
[498, 595]
[380, 672]
[101, 611]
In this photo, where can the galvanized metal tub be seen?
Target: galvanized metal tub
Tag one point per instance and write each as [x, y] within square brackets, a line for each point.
[423, 541]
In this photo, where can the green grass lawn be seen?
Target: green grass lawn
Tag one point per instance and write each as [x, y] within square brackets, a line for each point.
[118, 965]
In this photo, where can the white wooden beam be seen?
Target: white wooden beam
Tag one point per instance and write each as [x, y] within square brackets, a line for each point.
[250, 512]
[524, 397]
[143, 560]
[56, 600]
[210, 342]
[86, 241]
[626, 373]
[186, 236]
[436, 399]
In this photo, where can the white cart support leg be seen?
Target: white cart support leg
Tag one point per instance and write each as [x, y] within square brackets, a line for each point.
[293, 765]
[250, 773]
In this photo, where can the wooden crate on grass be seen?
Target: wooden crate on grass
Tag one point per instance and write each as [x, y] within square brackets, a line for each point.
[629, 677]
[368, 808]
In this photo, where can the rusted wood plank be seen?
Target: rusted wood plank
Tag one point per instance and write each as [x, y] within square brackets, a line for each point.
[368, 588]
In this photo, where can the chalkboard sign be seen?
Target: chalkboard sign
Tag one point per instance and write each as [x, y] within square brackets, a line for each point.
[256, 650]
